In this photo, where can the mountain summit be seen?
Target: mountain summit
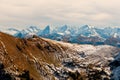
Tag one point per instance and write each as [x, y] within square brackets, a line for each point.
[46, 31]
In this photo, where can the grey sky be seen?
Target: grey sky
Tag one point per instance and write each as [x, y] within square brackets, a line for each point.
[17, 13]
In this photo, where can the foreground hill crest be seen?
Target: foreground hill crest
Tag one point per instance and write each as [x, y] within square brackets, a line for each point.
[43, 59]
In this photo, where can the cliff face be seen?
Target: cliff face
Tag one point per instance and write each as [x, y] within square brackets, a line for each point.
[43, 59]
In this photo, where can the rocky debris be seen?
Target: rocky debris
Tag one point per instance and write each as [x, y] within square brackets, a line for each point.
[115, 68]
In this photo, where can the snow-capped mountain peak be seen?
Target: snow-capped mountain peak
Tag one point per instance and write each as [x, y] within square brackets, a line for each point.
[46, 30]
[62, 29]
[83, 34]
[33, 29]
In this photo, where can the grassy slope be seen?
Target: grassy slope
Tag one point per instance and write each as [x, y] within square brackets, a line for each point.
[23, 54]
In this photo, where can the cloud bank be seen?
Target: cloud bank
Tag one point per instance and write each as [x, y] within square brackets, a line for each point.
[59, 12]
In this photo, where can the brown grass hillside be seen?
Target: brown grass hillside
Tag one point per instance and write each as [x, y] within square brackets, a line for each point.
[43, 59]
[27, 54]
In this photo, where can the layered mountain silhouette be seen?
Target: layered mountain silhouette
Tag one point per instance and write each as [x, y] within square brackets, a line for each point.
[82, 35]
[36, 58]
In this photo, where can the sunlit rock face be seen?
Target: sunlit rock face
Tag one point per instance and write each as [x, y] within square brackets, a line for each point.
[35, 58]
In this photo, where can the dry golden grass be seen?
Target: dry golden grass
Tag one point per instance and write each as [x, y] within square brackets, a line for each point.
[23, 53]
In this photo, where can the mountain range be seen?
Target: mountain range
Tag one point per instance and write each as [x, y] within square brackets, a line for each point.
[82, 35]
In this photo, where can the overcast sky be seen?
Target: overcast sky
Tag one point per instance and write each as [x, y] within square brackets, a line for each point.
[17, 13]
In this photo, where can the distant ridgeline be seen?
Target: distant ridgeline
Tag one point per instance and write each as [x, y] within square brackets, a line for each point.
[82, 35]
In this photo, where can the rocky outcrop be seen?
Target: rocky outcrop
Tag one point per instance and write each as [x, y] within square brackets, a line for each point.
[37, 58]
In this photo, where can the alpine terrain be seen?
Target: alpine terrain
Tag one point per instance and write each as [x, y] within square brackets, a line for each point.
[36, 58]
[85, 34]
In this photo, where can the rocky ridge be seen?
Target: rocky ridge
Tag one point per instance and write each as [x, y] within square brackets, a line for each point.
[37, 58]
